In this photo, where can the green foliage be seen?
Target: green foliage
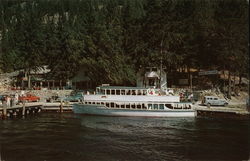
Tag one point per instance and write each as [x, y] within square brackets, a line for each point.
[112, 39]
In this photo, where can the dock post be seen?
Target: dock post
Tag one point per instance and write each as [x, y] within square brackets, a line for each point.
[23, 109]
[61, 107]
[4, 110]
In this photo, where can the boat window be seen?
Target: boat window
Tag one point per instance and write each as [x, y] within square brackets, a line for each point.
[169, 106]
[155, 106]
[90, 103]
[149, 106]
[133, 106]
[122, 106]
[97, 90]
[112, 104]
[102, 91]
[108, 92]
[102, 103]
[128, 92]
[118, 92]
[138, 106]
[98, 103]
[93, 102]
[122, 92]
[133, 92]
[144, 92]
[113, 92]
[127, 106]
[117, 105]
[143, 106]
[139, 92]
[161, 106]
[107, 104]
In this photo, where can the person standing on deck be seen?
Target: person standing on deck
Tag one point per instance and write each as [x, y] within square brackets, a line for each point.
[16, 99]
[8, 101]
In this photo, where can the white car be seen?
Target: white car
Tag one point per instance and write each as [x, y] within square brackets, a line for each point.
[213, 100]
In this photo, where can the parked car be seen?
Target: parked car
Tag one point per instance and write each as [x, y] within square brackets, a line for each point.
[2, 97]
[74, 97]
[29, 98]
[213, 100]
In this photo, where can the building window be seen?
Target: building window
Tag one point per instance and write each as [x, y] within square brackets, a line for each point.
[118, 92]
[113, 92]
[112, 104]
[154, 69]
[155, 106]
[108, 92]
[127, 106]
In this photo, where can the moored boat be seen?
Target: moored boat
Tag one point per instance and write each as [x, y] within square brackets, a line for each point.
[133, 101]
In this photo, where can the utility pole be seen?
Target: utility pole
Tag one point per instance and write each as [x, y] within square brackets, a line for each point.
[161, 62]
[191, 82]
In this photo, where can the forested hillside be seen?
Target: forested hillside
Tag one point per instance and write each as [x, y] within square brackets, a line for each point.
[113, 38]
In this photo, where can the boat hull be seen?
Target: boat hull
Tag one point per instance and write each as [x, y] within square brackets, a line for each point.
[102, 110]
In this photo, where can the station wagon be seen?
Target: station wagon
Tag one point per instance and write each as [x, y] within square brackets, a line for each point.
[213, 100]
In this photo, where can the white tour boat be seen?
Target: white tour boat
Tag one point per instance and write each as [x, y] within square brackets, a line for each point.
[132, 101]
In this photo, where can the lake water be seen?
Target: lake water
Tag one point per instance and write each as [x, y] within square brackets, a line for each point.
[69, 137]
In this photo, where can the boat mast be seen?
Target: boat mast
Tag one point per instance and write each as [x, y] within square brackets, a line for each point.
[161, 63]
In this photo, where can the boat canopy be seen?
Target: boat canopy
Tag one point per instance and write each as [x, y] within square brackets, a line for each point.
[120, 87]
[121, 90]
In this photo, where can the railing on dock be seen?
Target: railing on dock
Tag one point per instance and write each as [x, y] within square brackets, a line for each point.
[21, 109]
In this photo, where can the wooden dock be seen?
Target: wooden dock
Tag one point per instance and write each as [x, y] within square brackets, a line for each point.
[36, 107]
[20, 110]
[32, 108]
[222, 112]
[57, 107]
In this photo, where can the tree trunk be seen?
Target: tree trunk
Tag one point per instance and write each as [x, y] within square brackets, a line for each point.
[29, 84]
[189, 77]
[234, 83]
[224, 84]
[240, 79]
[229, 85]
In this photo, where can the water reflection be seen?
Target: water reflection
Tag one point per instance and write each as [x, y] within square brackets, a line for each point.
[78, 137]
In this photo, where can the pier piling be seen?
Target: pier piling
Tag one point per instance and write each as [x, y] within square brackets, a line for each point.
[4, 110]
[61, 107]
[23, 109]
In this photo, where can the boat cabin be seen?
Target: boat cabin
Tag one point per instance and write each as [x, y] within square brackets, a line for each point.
[121, 90]
[138, 106]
